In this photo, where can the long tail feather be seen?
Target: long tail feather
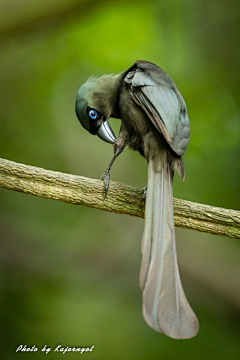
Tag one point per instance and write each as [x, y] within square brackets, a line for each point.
[165, 306]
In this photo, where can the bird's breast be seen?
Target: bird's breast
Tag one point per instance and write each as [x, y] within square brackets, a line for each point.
[134, 118]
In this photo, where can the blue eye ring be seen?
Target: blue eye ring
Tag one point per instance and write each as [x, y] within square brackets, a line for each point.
[93, 114]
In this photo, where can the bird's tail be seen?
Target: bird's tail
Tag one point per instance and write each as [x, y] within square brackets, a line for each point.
[165, 306]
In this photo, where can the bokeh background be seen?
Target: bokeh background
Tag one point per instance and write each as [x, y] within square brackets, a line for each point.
[69, 274]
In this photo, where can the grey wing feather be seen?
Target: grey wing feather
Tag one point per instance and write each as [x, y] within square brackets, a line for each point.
[181, 138]
[160, 99]
[165, 102]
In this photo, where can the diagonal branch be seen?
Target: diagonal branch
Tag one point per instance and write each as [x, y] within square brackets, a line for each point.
[121, 198]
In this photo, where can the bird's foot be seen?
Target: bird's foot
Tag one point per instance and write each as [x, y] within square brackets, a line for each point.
[144, 194]
[106, 180]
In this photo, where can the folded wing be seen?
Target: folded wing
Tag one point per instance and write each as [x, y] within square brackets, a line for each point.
[158, 96]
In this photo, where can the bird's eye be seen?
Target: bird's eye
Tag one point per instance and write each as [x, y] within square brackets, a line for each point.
[93, 114]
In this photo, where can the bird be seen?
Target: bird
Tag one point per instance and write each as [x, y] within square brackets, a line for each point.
[154, 122]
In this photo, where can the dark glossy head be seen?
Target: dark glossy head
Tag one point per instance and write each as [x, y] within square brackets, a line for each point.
[92, 110]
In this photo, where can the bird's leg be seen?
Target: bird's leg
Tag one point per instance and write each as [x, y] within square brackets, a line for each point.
[119, 145]
[106, 175]
[144, 194]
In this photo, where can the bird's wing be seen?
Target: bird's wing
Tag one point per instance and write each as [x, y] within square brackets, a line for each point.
[158, 96]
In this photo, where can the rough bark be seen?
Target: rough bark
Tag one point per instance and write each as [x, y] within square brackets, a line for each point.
[121, 198]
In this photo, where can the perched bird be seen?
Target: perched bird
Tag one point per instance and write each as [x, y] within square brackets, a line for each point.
[155, 123]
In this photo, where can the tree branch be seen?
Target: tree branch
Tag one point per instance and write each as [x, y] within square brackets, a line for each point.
[121, 198]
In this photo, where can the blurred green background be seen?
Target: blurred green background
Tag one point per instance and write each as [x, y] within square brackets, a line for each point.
[69, 274]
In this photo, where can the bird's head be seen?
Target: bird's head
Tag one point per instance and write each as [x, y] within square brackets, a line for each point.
[94, 105]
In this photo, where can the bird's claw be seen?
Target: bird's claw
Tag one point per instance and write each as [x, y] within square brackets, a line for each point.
[144, 194]
[106, 180]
